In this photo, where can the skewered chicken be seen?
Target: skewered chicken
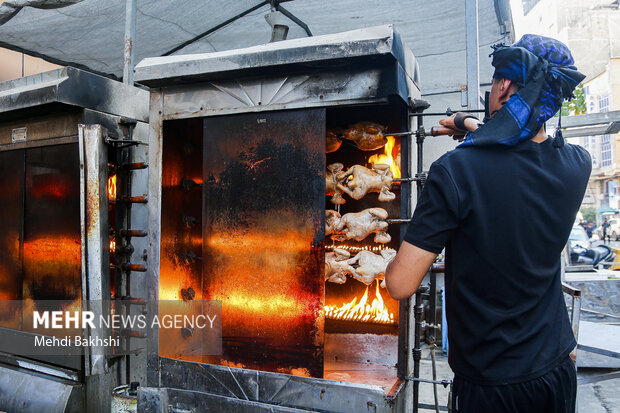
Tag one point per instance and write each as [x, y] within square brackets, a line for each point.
[333, 222]
[364, 180]
[332, 141]
[337, 266]
[333, 178]
[367, 135]
[358, 225]
[369, 266]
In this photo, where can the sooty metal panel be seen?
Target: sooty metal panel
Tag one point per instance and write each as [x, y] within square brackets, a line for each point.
[263, 237]
[11, 221]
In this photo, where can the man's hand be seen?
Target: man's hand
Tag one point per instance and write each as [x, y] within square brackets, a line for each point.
[406, 271]
[460, 123]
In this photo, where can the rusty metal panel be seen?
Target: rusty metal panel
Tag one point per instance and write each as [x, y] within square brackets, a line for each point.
[263, 237]
[11, 227]
[52, 252]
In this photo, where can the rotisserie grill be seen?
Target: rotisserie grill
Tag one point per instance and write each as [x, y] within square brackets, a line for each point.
[292, 217]
[63, 179]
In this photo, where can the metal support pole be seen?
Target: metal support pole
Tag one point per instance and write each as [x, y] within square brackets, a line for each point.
[420, 136]
[130, 33]
[472, 60]
[417, 349]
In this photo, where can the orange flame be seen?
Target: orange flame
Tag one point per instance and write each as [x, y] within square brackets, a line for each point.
[375, 312]
[355, 248]
[112, 245]
[387, 158]
[112, 187]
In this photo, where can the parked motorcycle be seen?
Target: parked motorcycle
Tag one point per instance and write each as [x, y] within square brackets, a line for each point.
[591, 256]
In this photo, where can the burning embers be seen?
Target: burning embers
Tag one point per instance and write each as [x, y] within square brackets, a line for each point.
[373, 312]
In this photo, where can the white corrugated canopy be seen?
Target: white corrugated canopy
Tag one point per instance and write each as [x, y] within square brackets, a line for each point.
[90, 33]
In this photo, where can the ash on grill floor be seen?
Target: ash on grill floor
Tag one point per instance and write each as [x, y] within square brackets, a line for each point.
[366, 373]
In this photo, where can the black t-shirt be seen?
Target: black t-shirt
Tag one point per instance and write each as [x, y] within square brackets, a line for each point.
[504, 216]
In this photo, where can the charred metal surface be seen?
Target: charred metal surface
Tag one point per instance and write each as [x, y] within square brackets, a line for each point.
[42, 127]
[69, 86]
[375, 44]
[11, 231]
[358, 67]
[275, 389]
[353, 85]
[263, 226]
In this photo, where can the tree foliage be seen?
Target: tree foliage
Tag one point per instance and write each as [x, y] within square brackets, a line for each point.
[589, 214]
[577, 105]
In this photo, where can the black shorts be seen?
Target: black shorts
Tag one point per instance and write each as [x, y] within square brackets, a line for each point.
[554, 392]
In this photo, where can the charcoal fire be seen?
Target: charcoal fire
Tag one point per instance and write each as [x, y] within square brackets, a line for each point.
[387, 157]
[375, 311]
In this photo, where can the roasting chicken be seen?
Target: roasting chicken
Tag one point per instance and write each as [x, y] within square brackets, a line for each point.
[337, 266]
[332, 141]
[333, 178]
[368, 266]
[368, 136]
[333, 222]
[359, 225]
[363, 180]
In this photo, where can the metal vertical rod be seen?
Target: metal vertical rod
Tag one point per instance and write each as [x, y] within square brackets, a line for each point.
[472, 58]
[432, 305]
[417, 349]
[130, 33]
[420, 153]
[417, 309]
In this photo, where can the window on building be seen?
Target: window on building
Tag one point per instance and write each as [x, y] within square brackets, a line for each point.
[612, 187]
[603, 103]
[605, 150]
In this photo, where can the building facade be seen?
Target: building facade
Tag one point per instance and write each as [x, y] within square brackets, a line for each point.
[602, 94]
[15, 64]
[591, 29]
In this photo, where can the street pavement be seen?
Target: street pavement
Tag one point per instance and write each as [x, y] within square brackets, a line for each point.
[598, 397]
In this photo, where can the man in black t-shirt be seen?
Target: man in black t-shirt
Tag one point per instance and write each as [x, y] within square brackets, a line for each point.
[503, 204]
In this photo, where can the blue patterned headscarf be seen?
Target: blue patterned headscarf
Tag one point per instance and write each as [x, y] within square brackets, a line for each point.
[544, 71]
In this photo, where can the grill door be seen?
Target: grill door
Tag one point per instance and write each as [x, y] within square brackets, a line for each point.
[263, 237]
